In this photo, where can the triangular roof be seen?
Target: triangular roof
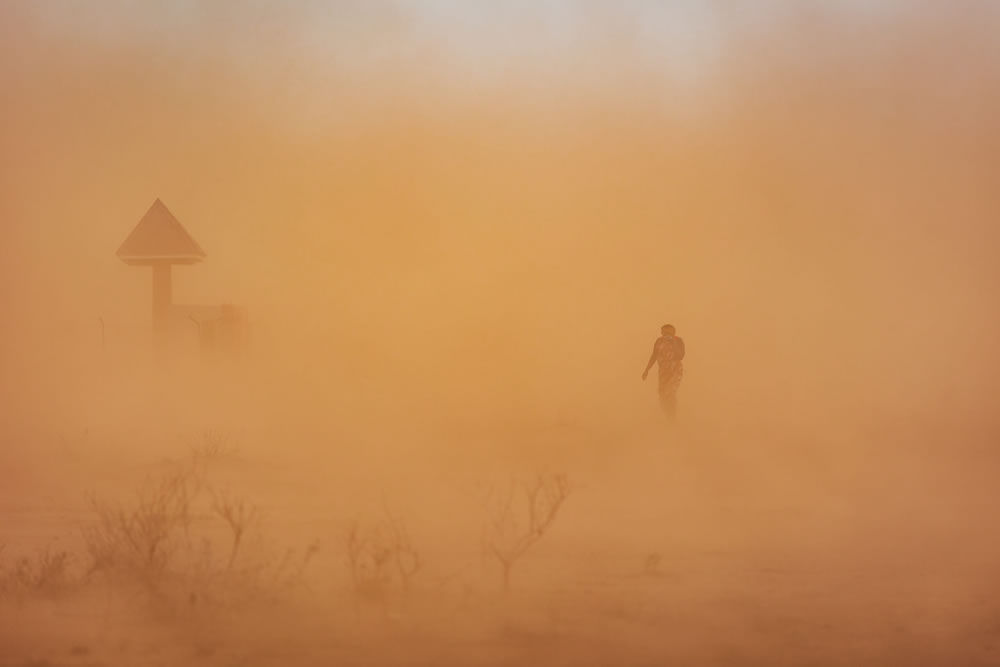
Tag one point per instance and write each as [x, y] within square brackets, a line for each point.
[160, 237]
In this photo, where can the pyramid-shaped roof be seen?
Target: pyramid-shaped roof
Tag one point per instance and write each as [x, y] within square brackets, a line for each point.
[160, 237]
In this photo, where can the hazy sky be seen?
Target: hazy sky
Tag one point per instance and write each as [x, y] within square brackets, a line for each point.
[681, 36]
[347, 165]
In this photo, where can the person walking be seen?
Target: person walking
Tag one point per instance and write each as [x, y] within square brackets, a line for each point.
[668, 353]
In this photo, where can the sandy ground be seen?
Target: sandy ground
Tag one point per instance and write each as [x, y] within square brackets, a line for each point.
[685, 548]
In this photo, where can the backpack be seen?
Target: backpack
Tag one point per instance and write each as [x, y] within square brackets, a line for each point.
[672, 350]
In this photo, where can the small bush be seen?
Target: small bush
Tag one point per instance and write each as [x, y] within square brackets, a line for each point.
[182, 540]
[238, 516]
[380, 557]
[141, 540]
[520, 515]
[214, 446]
[47, 573]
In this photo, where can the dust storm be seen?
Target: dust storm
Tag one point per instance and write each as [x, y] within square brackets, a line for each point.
[455, 230]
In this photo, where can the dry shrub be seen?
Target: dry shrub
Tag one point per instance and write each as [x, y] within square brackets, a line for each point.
[381, 557]
[519, 515]
[238, 516]
[49, 572]
[214, 447]
[182, 540]
[142, 540]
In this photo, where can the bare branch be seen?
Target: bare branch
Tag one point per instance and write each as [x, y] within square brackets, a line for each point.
[505, 536]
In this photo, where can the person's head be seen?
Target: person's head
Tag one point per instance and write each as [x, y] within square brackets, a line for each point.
[668, 330]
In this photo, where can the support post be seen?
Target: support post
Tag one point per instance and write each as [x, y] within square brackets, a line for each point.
[162, 299]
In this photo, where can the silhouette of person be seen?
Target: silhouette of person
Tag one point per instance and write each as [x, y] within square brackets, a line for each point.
[668, 352]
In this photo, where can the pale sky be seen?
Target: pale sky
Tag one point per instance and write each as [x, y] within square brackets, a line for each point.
[681, 36]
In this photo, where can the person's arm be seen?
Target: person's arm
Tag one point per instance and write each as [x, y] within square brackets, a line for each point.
[652, 359]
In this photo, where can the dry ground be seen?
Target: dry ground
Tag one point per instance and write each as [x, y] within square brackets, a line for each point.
[692, 547]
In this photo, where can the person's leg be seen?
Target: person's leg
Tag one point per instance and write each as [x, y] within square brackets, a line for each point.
[669, 383]
[667, 396]
[668, 402]
[662, 388]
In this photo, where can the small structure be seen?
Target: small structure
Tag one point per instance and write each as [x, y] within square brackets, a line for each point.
[222, 330]
[160, 241]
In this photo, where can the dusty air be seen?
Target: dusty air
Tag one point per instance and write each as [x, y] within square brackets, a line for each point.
[525, 333]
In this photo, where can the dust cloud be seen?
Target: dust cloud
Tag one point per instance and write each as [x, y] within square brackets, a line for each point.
[456, 231]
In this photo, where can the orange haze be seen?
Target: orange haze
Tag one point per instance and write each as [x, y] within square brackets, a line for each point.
[447, 241]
